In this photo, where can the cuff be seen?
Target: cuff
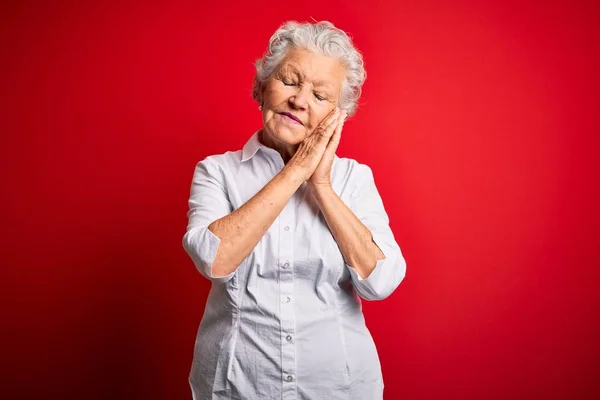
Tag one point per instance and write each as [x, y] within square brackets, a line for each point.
[202, 245]
[385, 277]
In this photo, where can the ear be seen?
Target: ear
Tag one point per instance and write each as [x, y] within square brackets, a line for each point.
[258, 91]
[261, 94]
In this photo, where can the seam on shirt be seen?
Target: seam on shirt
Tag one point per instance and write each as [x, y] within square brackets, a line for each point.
[235, 323]
[217, 364]
[345, 188]
[232, 343]
[338, 317]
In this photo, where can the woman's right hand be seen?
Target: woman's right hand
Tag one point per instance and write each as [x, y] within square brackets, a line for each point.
[310, 151]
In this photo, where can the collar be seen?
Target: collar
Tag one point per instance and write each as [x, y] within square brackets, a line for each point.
[253, 144]
[251, 147]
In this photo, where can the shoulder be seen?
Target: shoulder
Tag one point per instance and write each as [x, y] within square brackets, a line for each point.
[351, 170]
[218, 165]
[228, 158]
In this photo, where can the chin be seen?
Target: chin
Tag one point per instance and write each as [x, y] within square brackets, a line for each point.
[289, 135]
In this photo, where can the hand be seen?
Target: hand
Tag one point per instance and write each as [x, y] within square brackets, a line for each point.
[311, 150]
[322, 174]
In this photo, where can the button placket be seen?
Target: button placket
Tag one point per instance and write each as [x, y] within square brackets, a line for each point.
[286, 291]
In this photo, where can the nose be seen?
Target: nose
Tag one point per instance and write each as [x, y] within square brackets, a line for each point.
[299, 100]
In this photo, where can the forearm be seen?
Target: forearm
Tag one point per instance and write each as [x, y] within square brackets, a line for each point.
[240, 231]
[353, 237]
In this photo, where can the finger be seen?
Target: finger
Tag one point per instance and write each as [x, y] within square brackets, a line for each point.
[331, 118]
[331, 148]
[325, 129]
[337, 135]
[340, 122]
[330, 129]
[335, 139]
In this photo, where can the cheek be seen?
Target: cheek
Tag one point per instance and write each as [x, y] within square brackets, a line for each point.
[273, 95]
[317, 118]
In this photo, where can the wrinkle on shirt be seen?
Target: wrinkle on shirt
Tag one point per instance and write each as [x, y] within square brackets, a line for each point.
[288, 322]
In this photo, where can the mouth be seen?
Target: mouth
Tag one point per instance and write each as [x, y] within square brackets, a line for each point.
[292, 117]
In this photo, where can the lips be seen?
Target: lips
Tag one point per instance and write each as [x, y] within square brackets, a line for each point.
[292, 117]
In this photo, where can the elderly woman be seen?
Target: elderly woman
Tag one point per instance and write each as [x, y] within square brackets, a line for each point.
[292, 237]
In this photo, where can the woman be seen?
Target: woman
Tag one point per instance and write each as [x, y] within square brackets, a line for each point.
[291, 236]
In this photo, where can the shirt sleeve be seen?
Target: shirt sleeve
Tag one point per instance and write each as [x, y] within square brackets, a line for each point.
[208, 202]
[367, 205]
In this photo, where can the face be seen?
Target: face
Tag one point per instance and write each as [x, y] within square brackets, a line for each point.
[307, 86]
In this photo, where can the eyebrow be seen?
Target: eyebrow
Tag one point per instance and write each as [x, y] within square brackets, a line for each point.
[319, 83]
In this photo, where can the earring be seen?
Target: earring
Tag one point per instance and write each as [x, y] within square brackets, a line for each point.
[260, 107]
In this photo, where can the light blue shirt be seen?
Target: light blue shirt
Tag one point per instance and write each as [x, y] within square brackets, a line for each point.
[288, 322]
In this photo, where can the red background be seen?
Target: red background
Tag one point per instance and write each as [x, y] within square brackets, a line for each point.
[480, 121]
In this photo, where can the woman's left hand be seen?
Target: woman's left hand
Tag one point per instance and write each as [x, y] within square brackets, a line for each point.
[322, 175]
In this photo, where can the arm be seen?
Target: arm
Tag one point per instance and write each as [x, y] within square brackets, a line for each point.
[219, 240]
[365, 239]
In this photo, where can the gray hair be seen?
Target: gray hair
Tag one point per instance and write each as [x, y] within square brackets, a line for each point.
[322, 37]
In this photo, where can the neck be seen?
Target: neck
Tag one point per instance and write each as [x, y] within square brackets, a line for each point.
[286, 151]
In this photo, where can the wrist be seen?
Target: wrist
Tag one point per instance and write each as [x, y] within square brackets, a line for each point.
[321, 187]
[320, 191]
[294, 173]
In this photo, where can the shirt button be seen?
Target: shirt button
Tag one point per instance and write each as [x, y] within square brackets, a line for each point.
[289, 378]
[288, 337]
[286, 265]
[287, 299]
[287, 228]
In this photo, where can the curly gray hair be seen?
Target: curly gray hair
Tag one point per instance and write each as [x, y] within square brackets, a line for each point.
[322, 37]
